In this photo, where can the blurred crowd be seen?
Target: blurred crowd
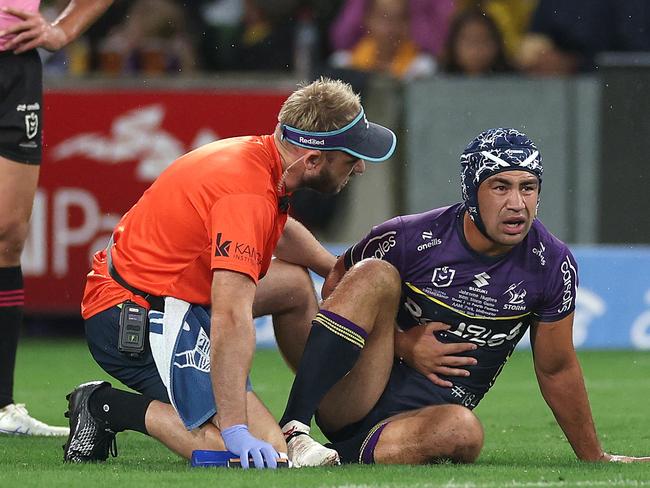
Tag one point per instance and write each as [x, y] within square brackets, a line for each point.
[404, 39]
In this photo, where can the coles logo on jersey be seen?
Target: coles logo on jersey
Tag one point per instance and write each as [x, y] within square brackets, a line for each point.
[442, 277]
[377, 247]
[568, 284]
[241, 251]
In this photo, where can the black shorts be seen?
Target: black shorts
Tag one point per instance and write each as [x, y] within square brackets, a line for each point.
[139, 374]
[21, 102]
[407, 390]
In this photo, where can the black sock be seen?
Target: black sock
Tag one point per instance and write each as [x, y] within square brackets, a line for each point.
[332, 349]
[12, 299]
[360, 448]
[121, 410]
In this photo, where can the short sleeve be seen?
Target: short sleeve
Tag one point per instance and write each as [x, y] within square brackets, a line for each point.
[561, 286]
[240, 227]
[382, 242]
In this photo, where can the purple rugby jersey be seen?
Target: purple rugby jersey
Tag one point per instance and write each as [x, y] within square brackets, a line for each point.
[489, 301]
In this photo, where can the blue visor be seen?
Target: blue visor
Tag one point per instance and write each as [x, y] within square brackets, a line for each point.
[365, 140]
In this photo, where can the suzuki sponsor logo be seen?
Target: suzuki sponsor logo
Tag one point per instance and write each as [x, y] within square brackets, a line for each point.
[568, 279]
[481, 279]
[442, 277]
[312, 141]
[377, 247]
[540, 253]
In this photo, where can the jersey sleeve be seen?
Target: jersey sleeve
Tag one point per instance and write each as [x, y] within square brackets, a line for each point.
[382, 242]
[240, 227]
[561, 286]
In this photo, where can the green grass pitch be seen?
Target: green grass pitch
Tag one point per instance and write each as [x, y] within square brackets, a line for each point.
[523, 446]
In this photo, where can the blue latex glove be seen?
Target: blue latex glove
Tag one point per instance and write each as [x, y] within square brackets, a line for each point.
[239, 441]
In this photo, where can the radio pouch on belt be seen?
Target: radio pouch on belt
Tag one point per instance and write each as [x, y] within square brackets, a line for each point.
[133, 329]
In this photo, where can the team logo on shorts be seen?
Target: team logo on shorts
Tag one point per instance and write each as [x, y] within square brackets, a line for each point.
[31, 125]
[442, 277]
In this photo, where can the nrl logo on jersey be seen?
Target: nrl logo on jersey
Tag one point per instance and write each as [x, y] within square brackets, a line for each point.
[442, 277]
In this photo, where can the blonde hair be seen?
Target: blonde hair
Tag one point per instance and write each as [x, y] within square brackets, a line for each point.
[323, 105]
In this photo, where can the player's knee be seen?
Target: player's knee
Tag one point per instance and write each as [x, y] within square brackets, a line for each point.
[467, 435]
[380, 275]
[13, 232]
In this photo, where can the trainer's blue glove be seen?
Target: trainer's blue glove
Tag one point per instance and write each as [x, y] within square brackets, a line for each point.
[239, 441]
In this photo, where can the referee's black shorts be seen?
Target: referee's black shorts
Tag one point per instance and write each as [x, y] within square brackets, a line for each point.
[21, 102]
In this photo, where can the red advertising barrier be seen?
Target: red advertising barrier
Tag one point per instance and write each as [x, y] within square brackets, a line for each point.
[102, 150]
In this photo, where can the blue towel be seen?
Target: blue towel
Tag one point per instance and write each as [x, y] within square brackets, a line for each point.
[180, 344]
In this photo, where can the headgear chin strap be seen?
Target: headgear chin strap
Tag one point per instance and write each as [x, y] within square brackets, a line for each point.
[495, 151]
[360, 138]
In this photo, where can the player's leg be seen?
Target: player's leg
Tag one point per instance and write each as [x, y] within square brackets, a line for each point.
[17, 187]
[431, 434]
[97, 411]
[347, 359]
[287, 293]
[18, 183]
[164, 424]
[20, 156]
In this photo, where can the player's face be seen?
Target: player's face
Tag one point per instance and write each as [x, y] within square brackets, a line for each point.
[334, 171]
[508, 205]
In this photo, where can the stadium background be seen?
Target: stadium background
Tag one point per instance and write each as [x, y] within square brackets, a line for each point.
[105, 141]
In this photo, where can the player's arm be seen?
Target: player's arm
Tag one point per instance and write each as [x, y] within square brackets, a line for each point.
[232, 338]
[299, 246]
[421, 350]
[418, 346]
[562, 385]
[34, 31]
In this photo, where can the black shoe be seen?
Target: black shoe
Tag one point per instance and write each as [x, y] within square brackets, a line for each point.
[90, 439]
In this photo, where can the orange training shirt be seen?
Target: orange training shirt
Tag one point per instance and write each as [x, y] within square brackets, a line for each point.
[213, 208]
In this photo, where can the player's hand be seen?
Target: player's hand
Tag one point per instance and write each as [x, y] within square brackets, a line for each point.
[239, 441]
[32, 32]
[615, 458]
[421, 350]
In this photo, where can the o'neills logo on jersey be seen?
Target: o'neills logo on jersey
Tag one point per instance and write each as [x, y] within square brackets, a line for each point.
[241, 251]
[568, 280]
[312, 141]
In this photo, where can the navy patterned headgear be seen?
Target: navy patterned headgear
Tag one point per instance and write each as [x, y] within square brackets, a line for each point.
[494, 151]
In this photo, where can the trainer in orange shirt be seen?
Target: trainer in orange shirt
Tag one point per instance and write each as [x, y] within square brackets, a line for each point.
[203, 237]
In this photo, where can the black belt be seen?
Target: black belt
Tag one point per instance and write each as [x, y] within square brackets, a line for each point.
[155, 302]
